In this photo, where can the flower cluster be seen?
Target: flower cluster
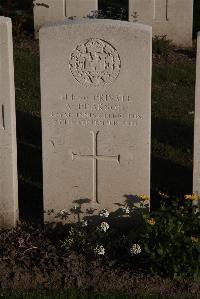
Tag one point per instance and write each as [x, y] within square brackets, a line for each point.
[104, 226]
[99, 249]
[151, 221]
[191, 197]
[126, 210]
[104, 213]
[143, 197]
[135, 249]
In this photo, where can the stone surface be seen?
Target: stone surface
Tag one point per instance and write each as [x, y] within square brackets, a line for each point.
[8, 148]
[80, 8]
[45, 11]
[196, 172]
[96, 91]
[57, 10]
[173, 18]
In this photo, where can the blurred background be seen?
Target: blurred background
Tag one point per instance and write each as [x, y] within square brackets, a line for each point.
[21, 11]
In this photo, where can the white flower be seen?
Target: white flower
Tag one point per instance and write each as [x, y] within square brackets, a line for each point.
[126, 210]
[104, 213]
[99, 249]
[84, 223]
[104, 226]
[63, 212]
[135, 249]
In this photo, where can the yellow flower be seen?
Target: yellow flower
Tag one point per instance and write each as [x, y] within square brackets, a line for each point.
[191, 197]
[143, 197]
[151, 221]
[164, 195]
[194, 239]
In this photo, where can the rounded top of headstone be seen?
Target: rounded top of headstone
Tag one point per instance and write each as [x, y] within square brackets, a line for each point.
[5, 19]
[97, 22]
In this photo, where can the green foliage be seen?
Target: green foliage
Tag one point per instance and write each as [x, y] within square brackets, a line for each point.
[171, 240]
[27, 80]
[91, 239]
[161, 45]
[167, 242]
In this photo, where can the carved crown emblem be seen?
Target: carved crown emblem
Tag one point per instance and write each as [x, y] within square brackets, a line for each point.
[95, 63]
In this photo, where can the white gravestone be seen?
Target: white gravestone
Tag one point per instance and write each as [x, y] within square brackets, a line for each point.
[8, 147]
[57, 10]
[96, 107]
[173, 18]
[196, 172]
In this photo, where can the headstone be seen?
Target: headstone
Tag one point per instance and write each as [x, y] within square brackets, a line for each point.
[196, 172]
[57, 10]
[96, 91]
[173, 18]
[8, 148]
[80, 8]
[45, 11]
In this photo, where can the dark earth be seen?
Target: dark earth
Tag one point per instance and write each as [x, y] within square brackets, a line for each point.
[34, 258]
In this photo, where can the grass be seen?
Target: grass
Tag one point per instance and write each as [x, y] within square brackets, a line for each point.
[27, 80]
[172, 127]
[27, 83]
[66, 294]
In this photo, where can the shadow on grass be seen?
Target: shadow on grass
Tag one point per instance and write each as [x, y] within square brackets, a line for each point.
[174, 133]
[171, 159]
[29, 167]
[169, 177]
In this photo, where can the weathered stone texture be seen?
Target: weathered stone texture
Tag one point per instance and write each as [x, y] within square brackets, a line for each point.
[173, 18]
[58, 10]
[96, 110]
[196, 172]
[8, 148]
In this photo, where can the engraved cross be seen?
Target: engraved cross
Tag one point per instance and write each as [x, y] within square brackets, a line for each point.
[2, 112]
[95, 158]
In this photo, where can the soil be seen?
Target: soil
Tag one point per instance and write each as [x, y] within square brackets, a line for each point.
[34, 258]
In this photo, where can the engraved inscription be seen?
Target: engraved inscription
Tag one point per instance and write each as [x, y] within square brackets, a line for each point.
[97, 110]
[95, 63]
[95, 158]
